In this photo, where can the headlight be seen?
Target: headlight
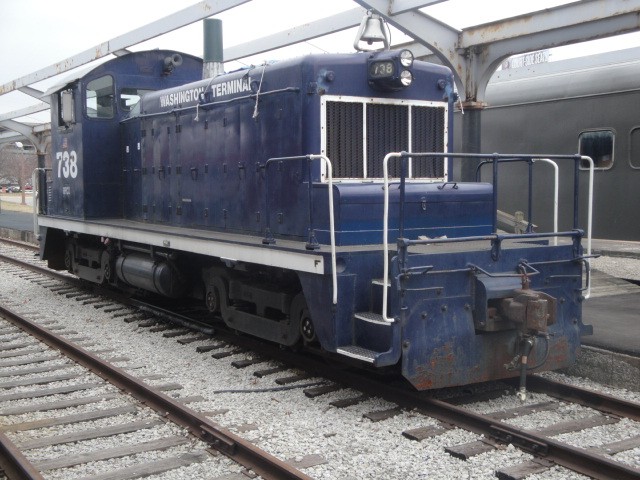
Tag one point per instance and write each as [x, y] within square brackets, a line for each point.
[406, 58]
[406, 78]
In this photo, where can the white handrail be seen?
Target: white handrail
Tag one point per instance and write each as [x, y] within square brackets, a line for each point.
[334, 273]
[35, 197]
[555, 194]
[589, 219]
[385, 229]
[332, 233]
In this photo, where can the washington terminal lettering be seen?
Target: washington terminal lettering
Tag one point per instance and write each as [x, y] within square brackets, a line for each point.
[238, 85]
[192, 95]
[181, 97]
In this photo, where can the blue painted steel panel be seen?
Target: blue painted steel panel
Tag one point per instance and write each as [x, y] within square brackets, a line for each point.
[443, 345]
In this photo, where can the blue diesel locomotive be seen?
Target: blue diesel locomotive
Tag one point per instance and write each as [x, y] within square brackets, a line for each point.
[273, 196]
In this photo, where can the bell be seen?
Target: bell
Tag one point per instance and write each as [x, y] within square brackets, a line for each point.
[372, 29]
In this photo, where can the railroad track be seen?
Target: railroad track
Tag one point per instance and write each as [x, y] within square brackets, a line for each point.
[493, 429]
[28, 364]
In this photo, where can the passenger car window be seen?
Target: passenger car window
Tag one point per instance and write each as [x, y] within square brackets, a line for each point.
[634, 147]
[99, 97]
[597, 144]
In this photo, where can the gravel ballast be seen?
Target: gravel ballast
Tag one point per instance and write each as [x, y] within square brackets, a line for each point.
[286, 423]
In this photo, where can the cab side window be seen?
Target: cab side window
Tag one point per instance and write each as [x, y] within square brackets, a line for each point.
[100, 97]
[129, 98]
[66, 108]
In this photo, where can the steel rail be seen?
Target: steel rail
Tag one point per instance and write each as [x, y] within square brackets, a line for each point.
[576, 459]
[14, 464]
[573, 458]
[20, 243]
[221, 439]
[588, 398]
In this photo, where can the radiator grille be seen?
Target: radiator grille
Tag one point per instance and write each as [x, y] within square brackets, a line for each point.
[428, 136]
[345, 123]
[389, 128]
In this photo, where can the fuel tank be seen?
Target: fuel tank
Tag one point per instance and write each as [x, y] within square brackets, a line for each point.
[156, 276]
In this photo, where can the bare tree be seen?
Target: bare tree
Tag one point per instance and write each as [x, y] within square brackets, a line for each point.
[16, 165]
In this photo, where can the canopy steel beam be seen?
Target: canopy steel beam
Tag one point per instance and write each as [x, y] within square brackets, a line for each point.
[584, 12]
[27, 132]
[309, 31]
[474, 53]
[34, 92]
[167, 24]
[23, 112]
[569, 24]
[116, 46]
[401, 6]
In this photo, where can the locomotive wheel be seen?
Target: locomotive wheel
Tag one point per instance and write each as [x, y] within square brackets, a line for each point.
[216, 295]
[299, 313]
[68, 259]
[107, 268]
[212, 300]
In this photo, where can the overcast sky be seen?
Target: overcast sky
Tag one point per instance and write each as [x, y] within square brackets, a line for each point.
[38, 33]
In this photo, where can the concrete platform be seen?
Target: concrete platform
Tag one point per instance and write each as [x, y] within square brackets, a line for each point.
[614, 311]
[616, 322]
[17, 226]
[16, 220]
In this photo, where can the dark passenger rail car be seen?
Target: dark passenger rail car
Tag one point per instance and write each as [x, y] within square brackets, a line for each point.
[586, 105]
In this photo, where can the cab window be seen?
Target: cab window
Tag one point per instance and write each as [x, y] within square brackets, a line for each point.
[129, 97]
[99, 97]
[66, 107]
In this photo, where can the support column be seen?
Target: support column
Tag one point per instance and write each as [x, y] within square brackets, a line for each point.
[471, 138]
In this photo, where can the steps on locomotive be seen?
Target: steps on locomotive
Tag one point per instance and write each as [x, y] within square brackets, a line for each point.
[374, 338]
[375, 301]
[374, 357]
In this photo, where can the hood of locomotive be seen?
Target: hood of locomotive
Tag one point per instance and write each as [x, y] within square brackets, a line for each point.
[313, 75]
[310, 91]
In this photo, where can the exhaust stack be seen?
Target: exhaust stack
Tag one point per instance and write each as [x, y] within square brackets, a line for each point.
[213, 64]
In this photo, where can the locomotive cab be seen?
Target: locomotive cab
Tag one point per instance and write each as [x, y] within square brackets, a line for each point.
[86, 113]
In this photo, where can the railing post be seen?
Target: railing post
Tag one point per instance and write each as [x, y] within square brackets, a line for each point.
[495, 193]
[312, 242]
[403, 174]
[36, 197]
[530, 206]
[268, 236]
[576, 189]
[589, 202]
[385, 234]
